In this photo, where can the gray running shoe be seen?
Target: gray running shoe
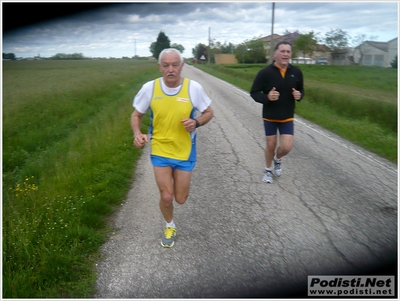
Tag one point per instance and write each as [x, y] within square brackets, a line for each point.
[167, 240]
[267, 178]
[277, 168]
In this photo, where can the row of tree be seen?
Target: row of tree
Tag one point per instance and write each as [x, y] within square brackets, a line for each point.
[66, 56]
[58, 56]
[9, 56]
[253, 51]
[249, 51]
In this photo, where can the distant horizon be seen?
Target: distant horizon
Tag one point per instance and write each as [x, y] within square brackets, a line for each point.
[137, 56]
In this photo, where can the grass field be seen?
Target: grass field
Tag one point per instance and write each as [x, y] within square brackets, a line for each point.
[68, 161]
[68, 158]
[358, 103]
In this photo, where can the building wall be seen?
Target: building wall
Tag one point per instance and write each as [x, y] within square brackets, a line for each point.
[326, 54]
[372, 56]
[221, 59]
[392, 51]
[340, 59]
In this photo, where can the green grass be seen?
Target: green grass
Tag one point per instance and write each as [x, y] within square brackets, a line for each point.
[376, 78]
[357, 103]
[68, 162]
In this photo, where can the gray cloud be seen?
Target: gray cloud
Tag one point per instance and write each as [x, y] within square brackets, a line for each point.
[115, 30]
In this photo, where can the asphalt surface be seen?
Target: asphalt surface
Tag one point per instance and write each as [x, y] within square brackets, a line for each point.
[332, 212]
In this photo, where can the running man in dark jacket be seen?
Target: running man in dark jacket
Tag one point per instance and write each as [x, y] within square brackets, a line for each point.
[277, 87]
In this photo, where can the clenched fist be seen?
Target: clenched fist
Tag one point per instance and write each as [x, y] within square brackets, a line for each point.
[273, 95]
[140, 140]
[296, 94]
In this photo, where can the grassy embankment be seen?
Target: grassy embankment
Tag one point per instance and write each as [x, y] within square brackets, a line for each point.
[357, 103]
[68, 159]
[68, 162]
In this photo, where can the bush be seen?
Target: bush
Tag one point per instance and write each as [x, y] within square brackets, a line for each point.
[394, 63]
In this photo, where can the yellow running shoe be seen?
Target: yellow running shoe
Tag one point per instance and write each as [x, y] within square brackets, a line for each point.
[167, 240]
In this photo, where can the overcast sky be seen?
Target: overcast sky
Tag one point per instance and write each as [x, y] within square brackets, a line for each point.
[126, 29]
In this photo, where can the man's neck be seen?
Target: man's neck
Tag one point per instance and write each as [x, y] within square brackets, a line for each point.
[174, 84]
[280, 66]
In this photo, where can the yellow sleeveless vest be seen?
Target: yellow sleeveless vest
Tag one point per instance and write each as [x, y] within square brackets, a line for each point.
[169, 137]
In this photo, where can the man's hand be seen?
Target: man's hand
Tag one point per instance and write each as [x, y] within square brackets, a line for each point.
[273, 95]
[140, 140]
[296, 94]
[189, 124]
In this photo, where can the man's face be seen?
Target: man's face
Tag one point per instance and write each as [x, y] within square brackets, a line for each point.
[282, 55]
[171, 68]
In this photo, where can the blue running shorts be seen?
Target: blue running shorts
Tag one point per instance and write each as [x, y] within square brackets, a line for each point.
[285, 128]
[174, 164]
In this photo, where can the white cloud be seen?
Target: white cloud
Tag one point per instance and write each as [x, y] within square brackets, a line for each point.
[116, 30]
[133, 18]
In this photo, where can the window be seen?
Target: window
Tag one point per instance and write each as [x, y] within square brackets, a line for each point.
[367, 60]
[379, 60]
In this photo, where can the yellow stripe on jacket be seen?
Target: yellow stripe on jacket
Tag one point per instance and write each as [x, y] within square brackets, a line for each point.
[277, 120]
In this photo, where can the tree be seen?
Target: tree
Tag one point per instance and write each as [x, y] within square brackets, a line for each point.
[394, 63]
[228, 48]
[64, 56]
[216, 47]
[152, 48]
[257, 52]
[213, 49]
[162, 43]
[251, 51]
[8, 56]
[241, 52]
[199, 51]
[178, 47]
[306, 43]
[337, 39]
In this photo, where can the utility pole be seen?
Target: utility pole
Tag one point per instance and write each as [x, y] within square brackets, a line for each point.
[135, 48]
[271, 48]
[209, 44]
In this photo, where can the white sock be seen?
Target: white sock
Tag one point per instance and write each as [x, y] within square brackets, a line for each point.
[171, 224]
[268, 168]
[276, 159]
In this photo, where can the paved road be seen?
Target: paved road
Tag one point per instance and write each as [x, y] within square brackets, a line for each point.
[333, 211]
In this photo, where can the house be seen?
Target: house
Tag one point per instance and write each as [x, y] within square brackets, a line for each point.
[392, 50]
[371, 53]
[267, 40]
[321, 51]
[342, 56]
[276, 38]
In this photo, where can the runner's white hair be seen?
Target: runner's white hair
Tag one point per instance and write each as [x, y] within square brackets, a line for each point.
[169, 50]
